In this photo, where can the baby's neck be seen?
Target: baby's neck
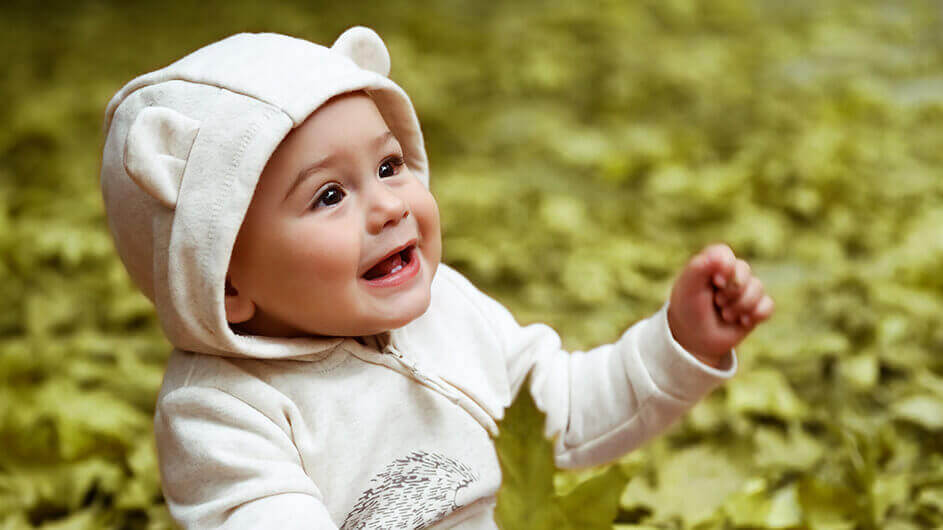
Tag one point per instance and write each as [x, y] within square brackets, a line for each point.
[378, 341]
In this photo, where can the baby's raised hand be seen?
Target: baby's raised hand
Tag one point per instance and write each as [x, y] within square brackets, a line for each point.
[715, 303]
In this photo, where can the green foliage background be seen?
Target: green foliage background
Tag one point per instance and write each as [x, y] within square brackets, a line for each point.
[580, 153]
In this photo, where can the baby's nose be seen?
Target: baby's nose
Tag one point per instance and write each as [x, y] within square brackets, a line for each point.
[387, 209]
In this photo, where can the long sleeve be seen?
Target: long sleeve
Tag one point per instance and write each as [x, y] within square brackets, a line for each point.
[224, 464]
[607, 401]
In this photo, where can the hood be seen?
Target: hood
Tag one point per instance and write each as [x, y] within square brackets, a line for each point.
[185, 146]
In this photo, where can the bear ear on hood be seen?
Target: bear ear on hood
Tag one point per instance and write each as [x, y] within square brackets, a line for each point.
[156, 151]
[365, 48]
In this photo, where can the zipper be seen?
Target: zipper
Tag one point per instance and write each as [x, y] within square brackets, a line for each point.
[447, 390]
[417, 374]
[408, 363]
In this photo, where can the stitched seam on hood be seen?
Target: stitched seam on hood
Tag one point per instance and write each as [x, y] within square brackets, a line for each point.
[222, 197]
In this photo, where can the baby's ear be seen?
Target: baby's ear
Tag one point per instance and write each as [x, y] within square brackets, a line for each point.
[238, 307]
[366, 48]
[156, 151]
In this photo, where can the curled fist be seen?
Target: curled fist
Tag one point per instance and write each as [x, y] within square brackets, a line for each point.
[715, 303]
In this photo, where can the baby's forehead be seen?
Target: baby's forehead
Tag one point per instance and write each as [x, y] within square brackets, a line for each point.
[349, 121]
[346, 129]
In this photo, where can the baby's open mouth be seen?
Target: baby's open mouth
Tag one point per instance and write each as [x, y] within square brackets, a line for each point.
[391, 265]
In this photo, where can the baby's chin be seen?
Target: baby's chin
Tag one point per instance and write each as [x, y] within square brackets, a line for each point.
[403, 315]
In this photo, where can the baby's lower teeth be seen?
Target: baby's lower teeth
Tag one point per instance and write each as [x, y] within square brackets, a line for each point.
[396, 268]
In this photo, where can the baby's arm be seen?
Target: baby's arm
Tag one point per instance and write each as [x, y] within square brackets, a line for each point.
[605, 402]
[224, 464]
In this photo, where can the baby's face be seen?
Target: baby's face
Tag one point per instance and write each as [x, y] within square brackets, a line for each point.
[340, 238]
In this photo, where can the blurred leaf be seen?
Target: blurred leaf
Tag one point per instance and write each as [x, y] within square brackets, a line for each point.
[932, 498]
[828, 506]
[595, 502]
[888, 491]
[794, 450]
[860, 372]
[924, 410]
[764, 392]
[691, 484]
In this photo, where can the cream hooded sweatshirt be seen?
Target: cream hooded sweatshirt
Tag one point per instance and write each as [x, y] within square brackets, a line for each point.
[393, 431]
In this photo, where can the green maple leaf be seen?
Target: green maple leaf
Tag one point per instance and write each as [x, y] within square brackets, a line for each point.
[527, 498]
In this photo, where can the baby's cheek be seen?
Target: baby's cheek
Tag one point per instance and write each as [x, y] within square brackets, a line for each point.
[427, 213]
[322, 255]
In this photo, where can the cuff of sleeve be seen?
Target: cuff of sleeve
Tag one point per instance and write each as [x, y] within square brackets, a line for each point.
[672, 368]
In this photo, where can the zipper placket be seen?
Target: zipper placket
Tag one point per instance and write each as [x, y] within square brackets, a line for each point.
[417, 374]
[445, 389]
[408, 363]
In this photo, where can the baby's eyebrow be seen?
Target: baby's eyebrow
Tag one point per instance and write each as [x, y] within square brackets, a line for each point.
[308, 171]
[379, 141]
[327, 161]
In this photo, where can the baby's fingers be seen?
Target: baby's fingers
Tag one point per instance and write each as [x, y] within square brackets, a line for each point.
[739, 277]
[764, 310]
[719, 261]
[750, 297]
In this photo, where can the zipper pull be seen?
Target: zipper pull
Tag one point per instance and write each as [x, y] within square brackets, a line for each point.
[409, 364]
[430, 381]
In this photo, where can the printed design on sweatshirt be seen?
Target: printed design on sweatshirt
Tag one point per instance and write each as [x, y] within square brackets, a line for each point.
[411, 492]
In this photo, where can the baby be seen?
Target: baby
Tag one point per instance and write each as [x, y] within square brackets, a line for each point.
[270, 196]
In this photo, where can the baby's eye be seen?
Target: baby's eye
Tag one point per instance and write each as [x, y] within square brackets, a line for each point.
[330, 196]
[390, 166]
